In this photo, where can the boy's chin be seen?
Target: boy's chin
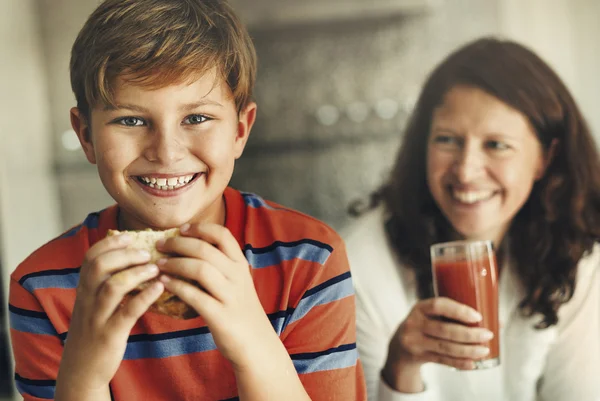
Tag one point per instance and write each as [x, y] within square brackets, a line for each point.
[165, 224]
[153, 222]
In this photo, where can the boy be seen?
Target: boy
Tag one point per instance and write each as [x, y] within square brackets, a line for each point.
[163, 90]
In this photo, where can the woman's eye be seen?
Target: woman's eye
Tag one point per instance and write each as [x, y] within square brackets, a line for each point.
[130, 121]
[442, 139]
[496, 145]
[196, 119]
[445, 139]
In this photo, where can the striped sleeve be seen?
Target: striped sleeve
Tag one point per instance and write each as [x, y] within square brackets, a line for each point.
[37, 347]
[320, 334]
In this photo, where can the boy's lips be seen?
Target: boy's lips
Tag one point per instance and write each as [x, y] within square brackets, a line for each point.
[166, 185]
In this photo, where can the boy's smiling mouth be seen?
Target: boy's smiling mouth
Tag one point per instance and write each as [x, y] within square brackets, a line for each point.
[163, 183]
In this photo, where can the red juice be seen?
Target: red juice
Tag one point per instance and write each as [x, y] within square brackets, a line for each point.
[470, 276]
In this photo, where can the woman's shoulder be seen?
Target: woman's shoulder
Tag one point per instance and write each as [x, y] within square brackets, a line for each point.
[366, 240]
[365, 226]
[375, 268]
[589, 265]
[587, 286]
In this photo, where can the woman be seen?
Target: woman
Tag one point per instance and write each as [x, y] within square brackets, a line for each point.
[496, 149]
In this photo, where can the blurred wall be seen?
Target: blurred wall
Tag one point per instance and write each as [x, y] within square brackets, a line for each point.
[334, 97]
[28, 197]
[565, 33]
[76, 180]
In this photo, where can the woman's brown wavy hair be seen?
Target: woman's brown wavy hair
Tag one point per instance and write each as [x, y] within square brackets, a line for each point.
[559, 223]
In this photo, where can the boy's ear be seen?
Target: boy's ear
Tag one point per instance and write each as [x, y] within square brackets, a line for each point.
[82, 129]
[245, 122]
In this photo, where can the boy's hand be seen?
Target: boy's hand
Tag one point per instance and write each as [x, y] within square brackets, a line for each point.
[100, 325]
[226, 299]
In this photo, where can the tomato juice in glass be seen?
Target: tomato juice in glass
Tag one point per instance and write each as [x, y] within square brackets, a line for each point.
[466, 271]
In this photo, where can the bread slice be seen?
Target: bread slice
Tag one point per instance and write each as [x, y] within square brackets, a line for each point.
[167, 303]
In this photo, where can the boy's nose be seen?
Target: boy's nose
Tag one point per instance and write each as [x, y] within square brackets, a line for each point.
[165, 147]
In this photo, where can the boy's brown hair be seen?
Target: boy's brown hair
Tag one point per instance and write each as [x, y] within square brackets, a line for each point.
[155, 43]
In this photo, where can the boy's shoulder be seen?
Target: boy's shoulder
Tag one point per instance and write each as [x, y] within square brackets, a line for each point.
[283, 223]
[62, 253]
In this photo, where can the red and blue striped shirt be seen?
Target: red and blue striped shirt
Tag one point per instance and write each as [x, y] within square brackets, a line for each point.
[300, 273]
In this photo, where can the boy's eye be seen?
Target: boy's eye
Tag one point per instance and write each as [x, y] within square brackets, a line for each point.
[130, 121]
[196, 119]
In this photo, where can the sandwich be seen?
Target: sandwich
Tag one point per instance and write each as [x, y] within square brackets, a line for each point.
[168, 303]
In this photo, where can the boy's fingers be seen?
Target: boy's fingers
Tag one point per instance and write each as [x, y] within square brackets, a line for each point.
[124, 319]
[202, 302]
[114, 289]
[194, 248]
[450, 309]
[108, 244]
[94, 273]
[217, 235]
[206, 275]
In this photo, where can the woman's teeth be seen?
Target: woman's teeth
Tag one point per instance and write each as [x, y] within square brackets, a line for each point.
[166, 184]
[471, 197]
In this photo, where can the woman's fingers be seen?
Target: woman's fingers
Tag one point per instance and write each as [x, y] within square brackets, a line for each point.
[428, 338]
[450, 309]
[456, 332]
[113, 290]
[462, 364]
[452, 349]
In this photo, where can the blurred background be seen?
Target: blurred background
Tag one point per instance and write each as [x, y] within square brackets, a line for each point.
[336, 81]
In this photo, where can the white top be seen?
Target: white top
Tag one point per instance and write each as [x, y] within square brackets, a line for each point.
[561, 363]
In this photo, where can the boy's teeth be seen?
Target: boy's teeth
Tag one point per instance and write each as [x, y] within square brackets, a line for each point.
[166, 184]
[472, 196]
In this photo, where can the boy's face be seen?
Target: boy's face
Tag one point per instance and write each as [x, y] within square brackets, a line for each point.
[166, 155]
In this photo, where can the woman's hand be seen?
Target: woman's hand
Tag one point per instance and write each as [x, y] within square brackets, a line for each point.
[436, 330]
[100, 324]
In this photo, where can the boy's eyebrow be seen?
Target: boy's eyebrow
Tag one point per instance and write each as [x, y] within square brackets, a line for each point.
[192, 106]
[119, 106]
[140, 109]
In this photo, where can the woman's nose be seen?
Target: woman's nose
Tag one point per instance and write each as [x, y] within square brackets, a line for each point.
[469, 164]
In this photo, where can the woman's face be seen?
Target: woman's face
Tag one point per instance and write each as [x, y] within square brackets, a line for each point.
[483, 158]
